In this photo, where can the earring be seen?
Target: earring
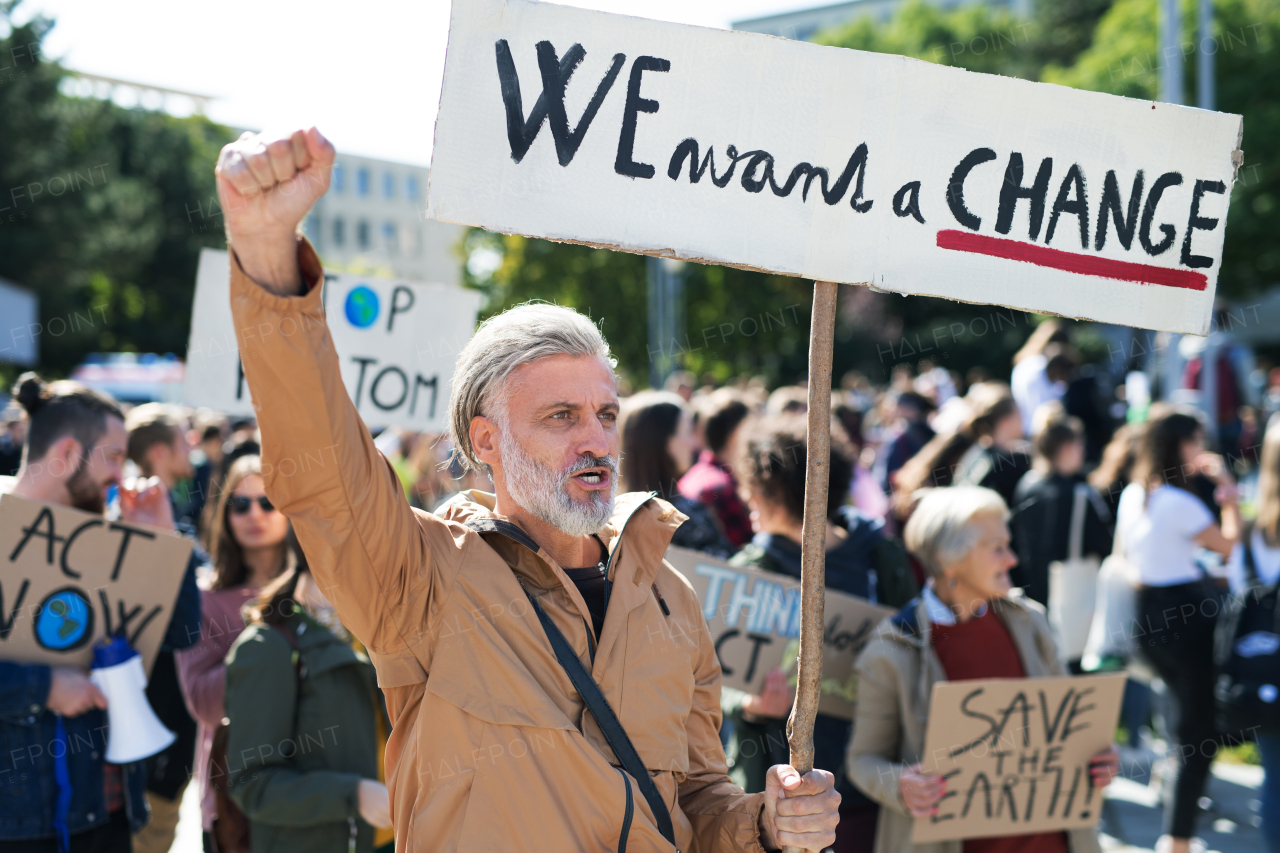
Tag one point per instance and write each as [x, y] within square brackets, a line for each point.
[951, 583]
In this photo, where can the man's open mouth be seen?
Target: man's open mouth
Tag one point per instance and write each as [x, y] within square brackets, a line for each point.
[592, 477]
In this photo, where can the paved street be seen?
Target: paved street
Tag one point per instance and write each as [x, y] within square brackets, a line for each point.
[1131, 816]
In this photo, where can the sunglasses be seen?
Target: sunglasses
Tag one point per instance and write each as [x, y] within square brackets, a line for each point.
[240, 504]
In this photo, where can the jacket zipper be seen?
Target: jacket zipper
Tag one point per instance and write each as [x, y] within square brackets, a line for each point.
[621, 530]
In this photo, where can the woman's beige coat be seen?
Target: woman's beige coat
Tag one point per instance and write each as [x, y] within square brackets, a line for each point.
[896, 674]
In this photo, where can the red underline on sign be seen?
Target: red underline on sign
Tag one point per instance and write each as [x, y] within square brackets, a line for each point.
[1043, 256]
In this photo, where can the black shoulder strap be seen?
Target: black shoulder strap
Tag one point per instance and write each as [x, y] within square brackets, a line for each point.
[506, 528]
[299, 666]
[614, 733]
[591, 694]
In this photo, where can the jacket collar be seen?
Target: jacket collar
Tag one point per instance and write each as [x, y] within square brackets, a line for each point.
[939, 612]
[912, 624]
[649, 524]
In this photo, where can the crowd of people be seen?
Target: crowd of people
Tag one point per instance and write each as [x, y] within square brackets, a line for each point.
[319, 703]
[935, 502]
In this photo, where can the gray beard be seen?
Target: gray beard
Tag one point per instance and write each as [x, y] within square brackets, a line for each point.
[543, 491]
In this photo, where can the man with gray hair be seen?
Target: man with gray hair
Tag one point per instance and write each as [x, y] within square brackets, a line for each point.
[550, 680]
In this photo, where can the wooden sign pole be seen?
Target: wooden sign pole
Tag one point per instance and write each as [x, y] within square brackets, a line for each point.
[813, 537]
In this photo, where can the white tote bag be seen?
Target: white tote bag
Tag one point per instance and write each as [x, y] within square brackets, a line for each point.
[1110, 644]
[1073, 585]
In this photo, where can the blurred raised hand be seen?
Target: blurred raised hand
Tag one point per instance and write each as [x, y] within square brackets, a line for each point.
[145, 500]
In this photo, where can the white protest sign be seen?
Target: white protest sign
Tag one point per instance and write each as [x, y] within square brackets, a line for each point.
[754, 620]
[1015, 754]
[833, 164]
[397, 342]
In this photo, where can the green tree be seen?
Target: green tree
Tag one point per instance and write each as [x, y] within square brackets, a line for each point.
[1091, 44]
[726, 334]
[1124, 59]
[107, 209]
[741, 323]
[976, 37]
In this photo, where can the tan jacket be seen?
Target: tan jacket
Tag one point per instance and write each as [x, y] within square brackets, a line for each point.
[491, 749]
[896, 674]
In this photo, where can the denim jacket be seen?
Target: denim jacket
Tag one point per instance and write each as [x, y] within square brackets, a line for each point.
[28, 736]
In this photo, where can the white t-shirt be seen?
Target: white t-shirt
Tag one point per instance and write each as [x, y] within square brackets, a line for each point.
[1265, 559]
[1032, 388]
[1158, 531]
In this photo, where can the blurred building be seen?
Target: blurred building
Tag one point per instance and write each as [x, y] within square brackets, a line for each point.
[804, 23]
[20, 328]
[371, 220]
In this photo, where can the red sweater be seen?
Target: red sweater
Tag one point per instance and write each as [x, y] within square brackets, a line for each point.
[983, 648]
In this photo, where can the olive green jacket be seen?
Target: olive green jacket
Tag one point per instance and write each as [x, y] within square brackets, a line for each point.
[296, 760]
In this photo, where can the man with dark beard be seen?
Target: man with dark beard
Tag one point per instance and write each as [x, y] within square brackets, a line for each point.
[75, 451]
[550, 680]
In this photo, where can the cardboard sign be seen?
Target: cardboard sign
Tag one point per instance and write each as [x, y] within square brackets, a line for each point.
[69, 578]
[833, 164]
[1015, 754]
[754, 619]
[397, 342]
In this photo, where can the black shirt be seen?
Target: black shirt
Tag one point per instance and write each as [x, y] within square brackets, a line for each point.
[590, 582]
[591, 585]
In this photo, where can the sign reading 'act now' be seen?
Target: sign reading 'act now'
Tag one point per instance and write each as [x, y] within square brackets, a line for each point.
[837, 165]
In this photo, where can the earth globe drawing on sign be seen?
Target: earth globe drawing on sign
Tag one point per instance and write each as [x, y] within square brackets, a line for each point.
[65, 621]
[361, 306]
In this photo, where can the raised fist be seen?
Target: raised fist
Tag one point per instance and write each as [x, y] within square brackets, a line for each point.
[266, 185]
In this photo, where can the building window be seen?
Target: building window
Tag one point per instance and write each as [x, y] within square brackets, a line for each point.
[413, 240]
[411, 188]
[362, 234]
[339, 232]
[389, 237]
[362, 182]
[389, 185]
[339, 181]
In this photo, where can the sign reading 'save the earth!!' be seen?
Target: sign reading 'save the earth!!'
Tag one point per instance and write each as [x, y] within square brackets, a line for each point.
[837, 165]
[1015, 754]
[397, 342]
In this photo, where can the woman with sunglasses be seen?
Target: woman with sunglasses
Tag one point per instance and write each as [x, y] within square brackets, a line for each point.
[251, 543]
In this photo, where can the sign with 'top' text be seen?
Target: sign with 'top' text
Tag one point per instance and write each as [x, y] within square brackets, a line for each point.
[833, 164]
[397, 342]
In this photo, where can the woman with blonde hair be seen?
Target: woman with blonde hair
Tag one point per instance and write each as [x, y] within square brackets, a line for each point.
[968, 623]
